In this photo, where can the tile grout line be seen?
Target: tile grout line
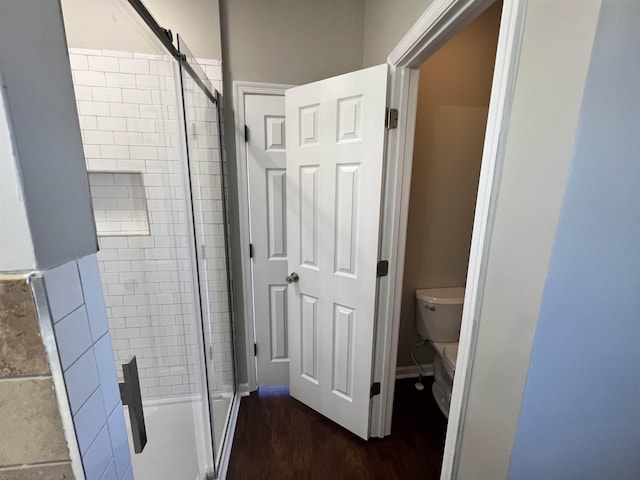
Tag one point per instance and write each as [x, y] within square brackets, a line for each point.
[26, 466]
[26, 377]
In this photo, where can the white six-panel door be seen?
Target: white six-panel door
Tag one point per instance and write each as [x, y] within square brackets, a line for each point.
[335, 150]
[264, 117]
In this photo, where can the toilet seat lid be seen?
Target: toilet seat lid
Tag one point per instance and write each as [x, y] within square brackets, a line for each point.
[451, 356]
[442, 296]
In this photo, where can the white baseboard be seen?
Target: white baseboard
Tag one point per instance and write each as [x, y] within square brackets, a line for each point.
[243, 390]
[412, 371]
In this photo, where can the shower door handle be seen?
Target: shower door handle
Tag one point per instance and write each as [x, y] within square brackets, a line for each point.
[292, 278]
[131, 397]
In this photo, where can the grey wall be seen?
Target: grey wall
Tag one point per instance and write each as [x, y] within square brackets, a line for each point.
[453, 97]
[112, 21]
[556, 48]
[385, 23]
[46, 134]
[580, 412]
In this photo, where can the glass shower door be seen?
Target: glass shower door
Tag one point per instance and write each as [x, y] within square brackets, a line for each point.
[127, 86]
[208, 179]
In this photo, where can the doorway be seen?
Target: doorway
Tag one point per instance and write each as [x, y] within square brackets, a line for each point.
[454, 90]
[431, 31]
[332, 219]
[260, 152]
[434, 28]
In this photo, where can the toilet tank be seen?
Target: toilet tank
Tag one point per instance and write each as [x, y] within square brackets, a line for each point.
[439, 313]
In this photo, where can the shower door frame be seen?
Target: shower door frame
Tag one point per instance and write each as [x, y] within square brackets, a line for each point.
[221, 456]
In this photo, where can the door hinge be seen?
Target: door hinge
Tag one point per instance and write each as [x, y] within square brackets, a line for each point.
[251, 250]
[391, 118]
[382, 270]
[255, 349]
[375, 389]
[246, 133]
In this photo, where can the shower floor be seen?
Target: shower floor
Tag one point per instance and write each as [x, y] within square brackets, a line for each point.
[171, 451]
[220, 407]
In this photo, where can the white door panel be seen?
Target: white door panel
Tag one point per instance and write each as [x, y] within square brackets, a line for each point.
[335, 150]
[267, 211]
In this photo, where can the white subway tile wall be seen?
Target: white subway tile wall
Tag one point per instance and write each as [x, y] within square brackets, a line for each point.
[129, 122]
[85, 349]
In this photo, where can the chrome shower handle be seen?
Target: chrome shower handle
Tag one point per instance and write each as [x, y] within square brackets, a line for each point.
[131, 397]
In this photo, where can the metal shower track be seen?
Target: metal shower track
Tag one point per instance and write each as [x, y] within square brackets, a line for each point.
[166, 38]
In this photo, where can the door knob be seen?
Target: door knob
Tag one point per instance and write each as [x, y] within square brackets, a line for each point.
[292, 278]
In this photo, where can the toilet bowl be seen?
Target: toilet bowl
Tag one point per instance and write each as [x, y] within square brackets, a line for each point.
[438, 320]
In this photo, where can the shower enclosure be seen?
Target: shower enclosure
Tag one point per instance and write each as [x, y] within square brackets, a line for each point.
[150, 124]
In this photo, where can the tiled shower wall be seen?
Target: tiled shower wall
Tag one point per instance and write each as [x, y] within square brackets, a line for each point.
[77, 312]
[128, 111]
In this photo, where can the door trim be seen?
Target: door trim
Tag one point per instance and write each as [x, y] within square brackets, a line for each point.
[439, 23]
[240, 91]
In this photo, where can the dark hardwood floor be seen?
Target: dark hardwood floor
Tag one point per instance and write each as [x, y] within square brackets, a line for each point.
[278, 437]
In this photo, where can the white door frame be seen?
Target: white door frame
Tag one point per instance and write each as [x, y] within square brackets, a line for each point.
[240, 91]
[439, 23]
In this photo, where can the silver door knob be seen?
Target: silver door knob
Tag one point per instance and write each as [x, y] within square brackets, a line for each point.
[292, 278]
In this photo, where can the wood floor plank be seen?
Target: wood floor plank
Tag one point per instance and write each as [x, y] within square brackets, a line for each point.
[278, 437]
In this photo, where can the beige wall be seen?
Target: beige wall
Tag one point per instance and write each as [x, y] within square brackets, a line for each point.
[385, 23]
[288, 42]
[555, 54]
[453, 97]
[114, 25]
[291, 41]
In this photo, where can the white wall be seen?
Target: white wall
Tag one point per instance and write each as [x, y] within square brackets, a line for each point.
[453, 97]
[385, 23]
[556, 48]
[581, 396]
[44, 123]
[16, 246]
[114, 25]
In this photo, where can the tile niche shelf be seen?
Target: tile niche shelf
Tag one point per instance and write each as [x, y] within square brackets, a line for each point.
[119, 203]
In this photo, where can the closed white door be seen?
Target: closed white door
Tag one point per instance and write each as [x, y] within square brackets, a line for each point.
[335, 153]
[266, 166]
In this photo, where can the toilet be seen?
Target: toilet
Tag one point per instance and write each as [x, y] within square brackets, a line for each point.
[438, 320]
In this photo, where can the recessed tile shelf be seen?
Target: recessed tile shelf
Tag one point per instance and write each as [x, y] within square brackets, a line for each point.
[119, 203]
